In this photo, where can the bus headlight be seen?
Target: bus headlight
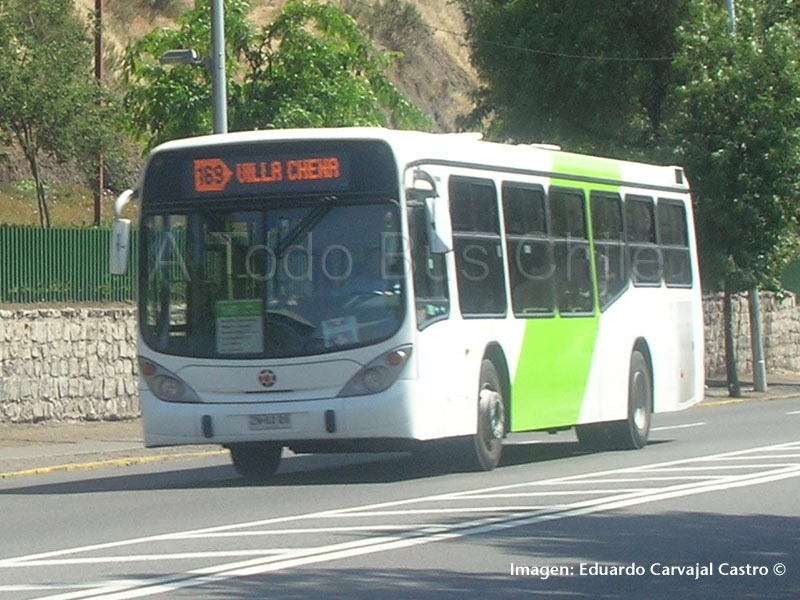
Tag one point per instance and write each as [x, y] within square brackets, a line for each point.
[378, 374]
[164, 384]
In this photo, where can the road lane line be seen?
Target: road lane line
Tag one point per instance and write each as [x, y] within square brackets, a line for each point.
[668, 427]
[153, 557]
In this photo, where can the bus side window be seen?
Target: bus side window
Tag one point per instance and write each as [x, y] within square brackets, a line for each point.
[529, 251]
[673, 239]
[478, 247]
[430, 272]
[574, 289]
[607, 232]
[644, 255]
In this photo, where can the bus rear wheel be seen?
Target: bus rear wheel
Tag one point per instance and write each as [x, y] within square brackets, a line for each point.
[257, 459]
[482, 451]
[632, 433]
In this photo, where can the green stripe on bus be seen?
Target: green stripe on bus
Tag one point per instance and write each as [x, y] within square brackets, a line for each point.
[552, 372]
[549, 384]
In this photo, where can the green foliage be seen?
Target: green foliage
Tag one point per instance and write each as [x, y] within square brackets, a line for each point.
[587, 75]
[310, 67]
[736, 124]
[50, 102]
[313, 67]
[164, 102]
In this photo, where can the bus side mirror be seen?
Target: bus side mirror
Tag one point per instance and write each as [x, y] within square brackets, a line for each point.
[120, 237]
[422, 186]
[440, 231]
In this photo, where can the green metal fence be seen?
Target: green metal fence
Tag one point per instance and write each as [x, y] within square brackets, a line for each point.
[61, 265]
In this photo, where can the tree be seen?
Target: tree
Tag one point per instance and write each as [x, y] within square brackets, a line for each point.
[50, 101]
[313, 67]
[310, 67]
[165, 103]
[665, 82]
[593, 76]
[736, 125]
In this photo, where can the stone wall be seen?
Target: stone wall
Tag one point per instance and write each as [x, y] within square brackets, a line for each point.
[68, 364]
[780, 321]
[80, 363]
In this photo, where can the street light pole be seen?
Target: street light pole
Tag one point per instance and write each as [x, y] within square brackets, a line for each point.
[219, 99]
[732, 16]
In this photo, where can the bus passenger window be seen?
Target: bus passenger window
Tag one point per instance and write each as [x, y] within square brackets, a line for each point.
[529, 252]
[573, 274]
[607, 231]
[673, 238]
[478, 247]
[644, 255]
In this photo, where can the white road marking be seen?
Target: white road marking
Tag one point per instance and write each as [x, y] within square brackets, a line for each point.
[130, 558]
[686, 426]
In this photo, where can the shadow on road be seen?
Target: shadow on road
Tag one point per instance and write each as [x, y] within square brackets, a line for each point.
[299, 470]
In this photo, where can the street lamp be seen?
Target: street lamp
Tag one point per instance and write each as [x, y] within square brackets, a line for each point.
[184, 56]
[187, 56]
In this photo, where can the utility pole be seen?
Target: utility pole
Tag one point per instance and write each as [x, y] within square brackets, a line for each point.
[756, 337]
[98, 73]
[219, 92]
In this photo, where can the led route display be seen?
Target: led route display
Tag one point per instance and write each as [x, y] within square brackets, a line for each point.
[236, 176]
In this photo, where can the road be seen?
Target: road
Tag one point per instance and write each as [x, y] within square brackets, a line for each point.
[708, 509]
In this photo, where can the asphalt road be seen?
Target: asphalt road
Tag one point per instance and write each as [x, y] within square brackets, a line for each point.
[708, 509]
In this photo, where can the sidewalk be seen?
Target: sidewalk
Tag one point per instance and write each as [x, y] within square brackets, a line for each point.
[779, 385]
[30, 449]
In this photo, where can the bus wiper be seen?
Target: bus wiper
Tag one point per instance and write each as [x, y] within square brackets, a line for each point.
[305, 224]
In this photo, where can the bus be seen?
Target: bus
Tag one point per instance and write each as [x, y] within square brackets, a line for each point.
[365, 289]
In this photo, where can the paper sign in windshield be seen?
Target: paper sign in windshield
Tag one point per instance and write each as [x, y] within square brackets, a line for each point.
[240, 326]
[341, 331]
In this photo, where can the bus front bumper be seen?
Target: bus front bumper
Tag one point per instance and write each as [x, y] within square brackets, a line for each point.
[384, 416]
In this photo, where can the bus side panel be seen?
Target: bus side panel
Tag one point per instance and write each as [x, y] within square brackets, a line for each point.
[667, 324]
[552, 372]
[443, 404]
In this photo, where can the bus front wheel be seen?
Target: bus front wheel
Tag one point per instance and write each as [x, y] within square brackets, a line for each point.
[255, 460]
[483, 450]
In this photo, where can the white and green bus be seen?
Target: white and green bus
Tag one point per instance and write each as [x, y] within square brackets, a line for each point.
[361, 289]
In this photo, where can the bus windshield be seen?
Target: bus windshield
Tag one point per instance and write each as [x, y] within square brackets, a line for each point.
[278, 278]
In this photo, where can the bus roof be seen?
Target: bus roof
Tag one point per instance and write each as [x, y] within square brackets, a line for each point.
[415, 147]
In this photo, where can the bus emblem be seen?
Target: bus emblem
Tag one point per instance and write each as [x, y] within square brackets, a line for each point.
[267, 378]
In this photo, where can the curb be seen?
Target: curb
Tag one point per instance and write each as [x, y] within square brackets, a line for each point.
[117, 462]
[727, 401]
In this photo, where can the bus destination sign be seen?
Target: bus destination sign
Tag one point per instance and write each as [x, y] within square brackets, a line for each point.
[235, 176]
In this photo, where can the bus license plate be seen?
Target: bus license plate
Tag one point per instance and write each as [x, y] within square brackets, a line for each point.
[274, 421]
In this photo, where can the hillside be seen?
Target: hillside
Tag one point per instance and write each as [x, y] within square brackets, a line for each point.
[434, 72]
